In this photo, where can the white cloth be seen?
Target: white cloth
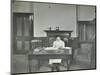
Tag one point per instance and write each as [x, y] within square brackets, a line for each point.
[58, 44]
[54, 61]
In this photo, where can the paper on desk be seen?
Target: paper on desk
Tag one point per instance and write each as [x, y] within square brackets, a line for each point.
[36, 49]
[50, 48]
[54, 61]
[67, 47]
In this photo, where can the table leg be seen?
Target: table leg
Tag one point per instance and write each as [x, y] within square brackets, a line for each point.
[68, 64]
[29, 60]
[39, 64]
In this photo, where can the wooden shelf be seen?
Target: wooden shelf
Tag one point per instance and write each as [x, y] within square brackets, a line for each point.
[53, 33]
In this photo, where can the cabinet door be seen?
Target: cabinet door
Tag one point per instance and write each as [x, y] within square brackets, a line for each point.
[86, 31]
[23, 30]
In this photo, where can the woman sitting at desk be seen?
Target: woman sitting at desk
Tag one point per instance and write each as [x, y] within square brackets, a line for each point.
[55, 63]
[58, 43]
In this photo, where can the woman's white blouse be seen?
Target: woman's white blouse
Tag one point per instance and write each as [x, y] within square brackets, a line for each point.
[58, 44]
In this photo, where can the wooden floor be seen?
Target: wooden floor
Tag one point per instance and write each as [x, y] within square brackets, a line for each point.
[20, 64]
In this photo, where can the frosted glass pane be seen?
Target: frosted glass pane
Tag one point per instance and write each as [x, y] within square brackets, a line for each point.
[26, 26]
[19, 45]
[27, 45]
[19, 26]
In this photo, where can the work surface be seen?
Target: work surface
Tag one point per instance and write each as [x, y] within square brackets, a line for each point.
[51, 50]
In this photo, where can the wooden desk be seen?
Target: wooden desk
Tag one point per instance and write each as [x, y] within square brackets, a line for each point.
[46, 56]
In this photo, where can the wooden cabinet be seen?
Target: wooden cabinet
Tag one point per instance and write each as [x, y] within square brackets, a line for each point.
[87, 38]
[62, 33]
[22, 32]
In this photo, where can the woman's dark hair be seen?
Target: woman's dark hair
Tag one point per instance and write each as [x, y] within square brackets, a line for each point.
[61, 37]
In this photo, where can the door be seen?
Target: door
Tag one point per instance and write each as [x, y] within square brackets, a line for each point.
[86, 30]
[23, 32]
